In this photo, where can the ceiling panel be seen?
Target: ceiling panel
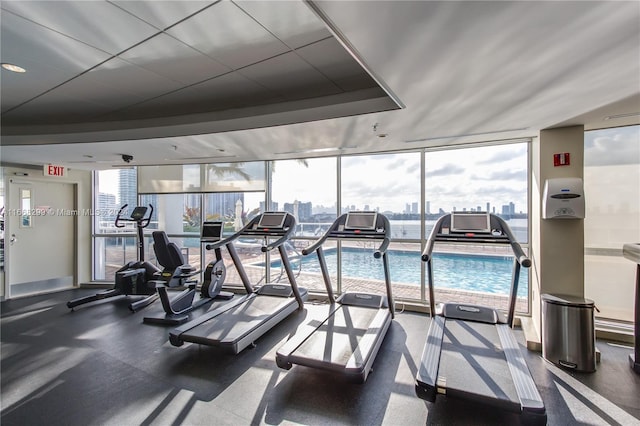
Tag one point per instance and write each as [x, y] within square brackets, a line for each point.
[55, 108]
[50, 59]
[277, 17]
[173, 59]
[291, 77]
[114, 31]
[329, 57]
[222, 93]
[229, 35]
[113, 85]
[162, 14]
[463, 72]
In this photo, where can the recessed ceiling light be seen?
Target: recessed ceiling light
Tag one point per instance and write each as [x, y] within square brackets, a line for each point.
[630, 114]
[13, 68]
[316, 150]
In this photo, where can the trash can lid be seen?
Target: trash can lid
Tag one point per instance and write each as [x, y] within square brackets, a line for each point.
[567, 299]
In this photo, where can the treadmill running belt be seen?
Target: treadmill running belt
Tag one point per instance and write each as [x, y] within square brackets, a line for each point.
[337, 338]
[237, 321]
[473, 363]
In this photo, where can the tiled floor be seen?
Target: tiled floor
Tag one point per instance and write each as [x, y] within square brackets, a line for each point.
[100, 365]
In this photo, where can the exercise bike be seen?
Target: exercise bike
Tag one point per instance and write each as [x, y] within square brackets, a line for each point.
[136, 277]
[179, 274]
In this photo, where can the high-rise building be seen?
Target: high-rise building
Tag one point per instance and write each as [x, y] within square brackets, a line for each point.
[223, 204]
[127, 188]
[107, 206]
[508, 210]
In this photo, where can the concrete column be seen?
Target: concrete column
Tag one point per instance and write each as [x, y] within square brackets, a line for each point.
[557, 245]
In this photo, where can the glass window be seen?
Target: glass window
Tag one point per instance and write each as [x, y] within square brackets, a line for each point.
[612, 198]
[115, 188]
[486, 178]
[113, 246]
[179, 215]
[236, 209]
[196, 178]
[234, 177]
[389, 184]
[307, 189]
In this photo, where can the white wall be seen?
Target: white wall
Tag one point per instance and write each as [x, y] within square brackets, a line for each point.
[557, 245]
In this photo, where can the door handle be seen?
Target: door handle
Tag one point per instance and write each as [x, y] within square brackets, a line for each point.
[13, 239]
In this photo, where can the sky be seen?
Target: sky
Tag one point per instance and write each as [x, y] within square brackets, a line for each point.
[461, 178]
[455, 178]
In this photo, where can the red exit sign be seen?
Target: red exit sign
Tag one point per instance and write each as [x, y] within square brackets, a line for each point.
[53, 170]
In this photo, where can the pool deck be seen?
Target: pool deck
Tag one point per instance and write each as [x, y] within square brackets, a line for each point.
[402, 292]
[409, 293]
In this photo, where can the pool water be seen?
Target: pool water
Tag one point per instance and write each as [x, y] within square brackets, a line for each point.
[490, 274]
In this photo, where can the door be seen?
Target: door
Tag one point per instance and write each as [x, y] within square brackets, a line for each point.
[40, 237]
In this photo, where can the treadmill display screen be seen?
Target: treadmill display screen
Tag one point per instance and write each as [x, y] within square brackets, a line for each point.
[272, 220]
[211, 231]
[471, 222]
[361, 220]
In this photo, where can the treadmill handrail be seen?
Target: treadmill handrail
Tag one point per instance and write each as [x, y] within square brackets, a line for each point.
[279, 241]
[333, 233]
[521, 258]
[249, 231]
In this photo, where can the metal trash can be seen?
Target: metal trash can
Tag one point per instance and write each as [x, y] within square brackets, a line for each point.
[568, 332]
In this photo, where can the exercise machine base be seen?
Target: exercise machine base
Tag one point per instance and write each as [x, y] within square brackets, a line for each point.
[635, 365]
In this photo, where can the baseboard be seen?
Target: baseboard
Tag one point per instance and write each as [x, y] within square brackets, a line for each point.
[531, 337]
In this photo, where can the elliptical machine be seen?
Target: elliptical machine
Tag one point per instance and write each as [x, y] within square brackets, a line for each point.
[179, 274]
[134, 278]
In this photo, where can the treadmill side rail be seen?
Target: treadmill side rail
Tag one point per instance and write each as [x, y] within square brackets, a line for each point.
[300, 336]
[175, 335]
[359, 364]
[530, 399]
[426, 381]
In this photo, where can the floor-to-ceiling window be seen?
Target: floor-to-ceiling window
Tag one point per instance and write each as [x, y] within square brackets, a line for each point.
[612, 197]
[482, 178]
[113, 246]
[308, 190]
[389, 184]
[412, 188]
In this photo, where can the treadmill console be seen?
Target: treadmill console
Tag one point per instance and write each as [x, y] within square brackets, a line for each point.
[470, 227]
[360, 224]
[271, 220]
[269, 224]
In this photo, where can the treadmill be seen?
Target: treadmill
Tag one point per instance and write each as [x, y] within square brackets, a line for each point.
[238, 323]
[348, 339]
[471, 352]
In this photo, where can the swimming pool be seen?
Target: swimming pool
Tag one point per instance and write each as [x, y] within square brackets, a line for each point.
[490, 274]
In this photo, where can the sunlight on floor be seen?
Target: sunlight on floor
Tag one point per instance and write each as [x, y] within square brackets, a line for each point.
[574, 393]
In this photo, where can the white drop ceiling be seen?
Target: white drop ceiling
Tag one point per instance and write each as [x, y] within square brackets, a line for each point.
[206, 81]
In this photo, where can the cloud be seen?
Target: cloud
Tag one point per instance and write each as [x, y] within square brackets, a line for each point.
[504, 155]
[445, 170]
[615, 146]
[502, 175]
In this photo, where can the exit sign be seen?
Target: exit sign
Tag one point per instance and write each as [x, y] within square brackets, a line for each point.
[53, 170]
